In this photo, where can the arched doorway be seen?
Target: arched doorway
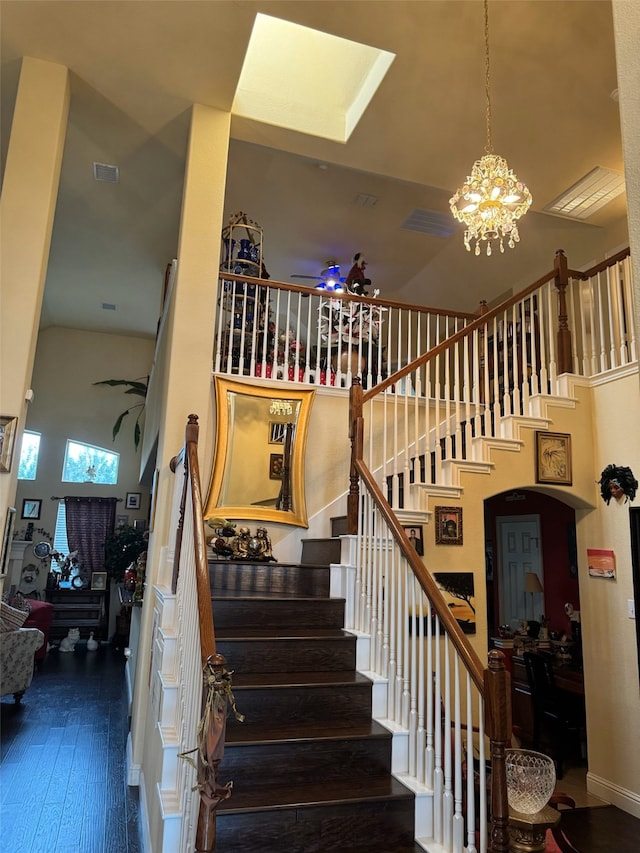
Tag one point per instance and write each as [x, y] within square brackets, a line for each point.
[511, 515]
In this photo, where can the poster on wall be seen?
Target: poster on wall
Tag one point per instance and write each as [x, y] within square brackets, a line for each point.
[459, 593]
[602, 563]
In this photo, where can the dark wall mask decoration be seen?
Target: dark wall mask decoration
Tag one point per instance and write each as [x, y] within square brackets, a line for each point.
[616, 481]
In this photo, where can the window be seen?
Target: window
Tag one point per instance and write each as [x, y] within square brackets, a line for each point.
[84, 463]
[60, 541]
[29, 455]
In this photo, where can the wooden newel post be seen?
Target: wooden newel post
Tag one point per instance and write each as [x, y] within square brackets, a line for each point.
[564, 334]
[356, 428]
[497, 687]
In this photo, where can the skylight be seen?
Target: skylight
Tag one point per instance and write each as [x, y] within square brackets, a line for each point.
[306, 80]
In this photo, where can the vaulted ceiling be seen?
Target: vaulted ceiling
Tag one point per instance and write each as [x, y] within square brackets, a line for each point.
[136, 67]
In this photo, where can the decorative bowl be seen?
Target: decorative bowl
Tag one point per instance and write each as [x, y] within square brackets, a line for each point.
[531, 779]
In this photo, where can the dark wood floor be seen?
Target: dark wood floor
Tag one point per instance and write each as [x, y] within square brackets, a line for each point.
[62, 775]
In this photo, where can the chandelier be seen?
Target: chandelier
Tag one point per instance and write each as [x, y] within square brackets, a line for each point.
[492, 199]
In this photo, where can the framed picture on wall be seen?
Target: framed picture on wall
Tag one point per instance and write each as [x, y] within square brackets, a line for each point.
[8, 426]
[133, 500]
[553, 458]
[448, 525]
[414, 534]
[31, 508]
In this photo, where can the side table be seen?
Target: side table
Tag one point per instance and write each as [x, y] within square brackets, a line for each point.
[78, 608]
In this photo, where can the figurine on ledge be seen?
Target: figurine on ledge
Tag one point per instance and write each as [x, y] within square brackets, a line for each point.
[356, 280]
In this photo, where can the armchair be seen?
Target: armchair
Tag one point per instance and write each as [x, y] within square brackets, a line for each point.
[17, 649]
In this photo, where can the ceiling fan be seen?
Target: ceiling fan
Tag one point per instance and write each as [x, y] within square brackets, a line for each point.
[329, 278]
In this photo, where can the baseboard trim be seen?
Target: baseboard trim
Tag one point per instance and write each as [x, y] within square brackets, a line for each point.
[624, 799]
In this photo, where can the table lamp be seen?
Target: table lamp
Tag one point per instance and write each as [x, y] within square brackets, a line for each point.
[532, 584]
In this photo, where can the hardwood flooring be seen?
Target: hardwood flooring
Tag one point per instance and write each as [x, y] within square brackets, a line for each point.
[62, 775]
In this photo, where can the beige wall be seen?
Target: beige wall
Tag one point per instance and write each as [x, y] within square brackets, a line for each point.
[66, 405]
[610, 652]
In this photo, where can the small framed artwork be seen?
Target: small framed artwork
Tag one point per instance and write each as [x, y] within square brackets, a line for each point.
[98, 580]
[8, 426]
[448, 525]
[31, 508]
[414, 534]
[276, 463]
[122, 521]
[133, 500]
[140, 524]
[553, 458]
[602, 563]
[276, 432]
[7, 538]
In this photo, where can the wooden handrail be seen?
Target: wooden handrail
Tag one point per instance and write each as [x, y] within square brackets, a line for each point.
[347, 297]
[478, 322]
[213, 664]
[603, 265]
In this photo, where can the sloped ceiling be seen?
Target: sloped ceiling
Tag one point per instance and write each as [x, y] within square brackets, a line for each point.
[137, 66]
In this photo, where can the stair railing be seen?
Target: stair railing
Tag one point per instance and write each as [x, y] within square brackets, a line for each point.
[421, 419]
[273, 330]
[191, 585]
[432, 412]
[437, 688]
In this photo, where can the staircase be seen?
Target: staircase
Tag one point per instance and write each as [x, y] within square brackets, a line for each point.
[311, 769]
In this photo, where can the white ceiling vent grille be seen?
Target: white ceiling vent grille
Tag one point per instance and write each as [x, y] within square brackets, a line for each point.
[429, 222]
[108, 306]
[589, 194]
[106, 173]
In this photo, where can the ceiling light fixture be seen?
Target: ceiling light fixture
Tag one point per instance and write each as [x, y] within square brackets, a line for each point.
[331, 280]
[492, 199]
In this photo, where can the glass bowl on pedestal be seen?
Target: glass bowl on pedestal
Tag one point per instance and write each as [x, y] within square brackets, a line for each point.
[531, 779]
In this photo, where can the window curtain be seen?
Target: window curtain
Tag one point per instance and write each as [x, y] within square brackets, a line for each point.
[89, 522]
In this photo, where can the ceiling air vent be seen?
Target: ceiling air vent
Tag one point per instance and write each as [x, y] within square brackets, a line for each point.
[108, 306]
[103, 172]
[429, 222]
[589, 194]
[364, 200]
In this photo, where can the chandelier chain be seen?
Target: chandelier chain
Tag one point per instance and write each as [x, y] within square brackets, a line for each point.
[487, 85]
[492, 199]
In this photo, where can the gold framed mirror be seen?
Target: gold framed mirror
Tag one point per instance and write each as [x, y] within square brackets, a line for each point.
[258, 470]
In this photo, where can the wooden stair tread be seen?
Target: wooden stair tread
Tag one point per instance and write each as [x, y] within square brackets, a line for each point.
[371, 789]
[266, 680]
[280, 733]
[242, 595]
[286, 632]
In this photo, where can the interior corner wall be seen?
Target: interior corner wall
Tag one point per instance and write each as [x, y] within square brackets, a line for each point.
[27, 206]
